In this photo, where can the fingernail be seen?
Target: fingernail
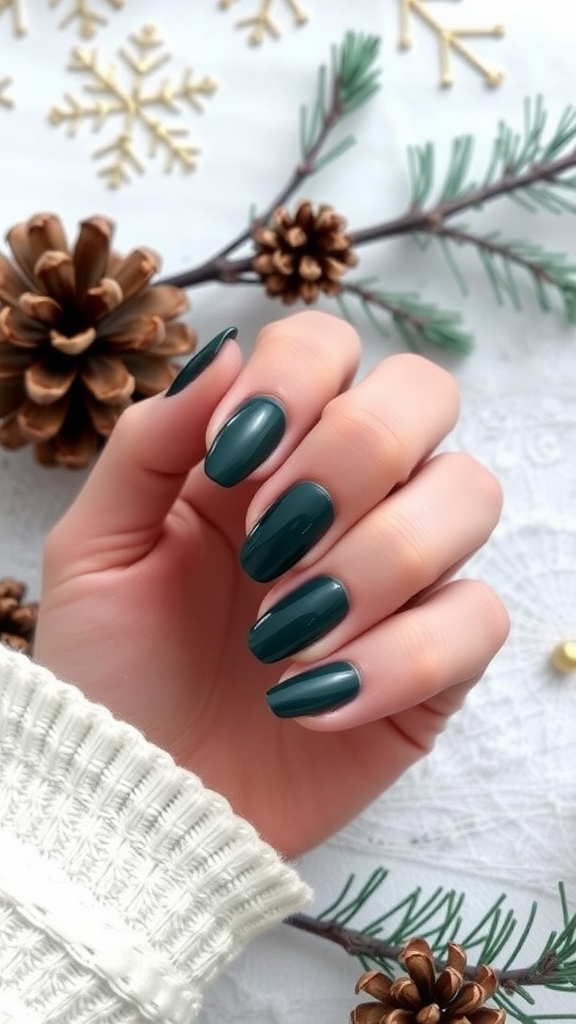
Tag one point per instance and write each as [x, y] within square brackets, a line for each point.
[300, 618]
[319, 689]
[290, 527]
[200, 361]
[245, 441]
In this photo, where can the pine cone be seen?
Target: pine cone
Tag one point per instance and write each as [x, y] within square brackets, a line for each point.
[299, 257]
[424, 997]
[17, 620]
[82, 335]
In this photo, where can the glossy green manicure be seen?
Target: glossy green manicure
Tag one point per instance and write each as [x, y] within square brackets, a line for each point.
[318, 689]
[245, 441]
[200, 361]
[290, 527]
[300, 618]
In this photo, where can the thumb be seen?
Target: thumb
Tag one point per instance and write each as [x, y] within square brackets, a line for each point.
[152, 449]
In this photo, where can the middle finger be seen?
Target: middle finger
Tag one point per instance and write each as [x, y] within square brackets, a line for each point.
[367, 441]
[405, 544]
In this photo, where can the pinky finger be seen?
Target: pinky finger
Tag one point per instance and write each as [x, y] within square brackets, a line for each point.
[396, 666]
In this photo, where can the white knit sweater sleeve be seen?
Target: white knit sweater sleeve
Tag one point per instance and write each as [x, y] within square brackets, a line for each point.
[125, 885]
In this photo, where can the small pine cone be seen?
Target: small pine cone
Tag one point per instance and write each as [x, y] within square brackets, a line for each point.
[83, 334]
[424, 996]
[17, 620]
[299, 257]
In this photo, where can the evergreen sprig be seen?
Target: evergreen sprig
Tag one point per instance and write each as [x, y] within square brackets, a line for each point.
[534, 165]
[416, 321]
[351, 80]
[514, 167]
[500, 259]
[438, 918]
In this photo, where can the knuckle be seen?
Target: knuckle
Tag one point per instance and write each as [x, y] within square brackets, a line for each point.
[363, 432]
[426, 656]
[306, 327]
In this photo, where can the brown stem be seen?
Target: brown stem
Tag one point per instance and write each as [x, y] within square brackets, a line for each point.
[462, 237]
[356, 943]
[419, 220]
[218, 267]
[377, 299]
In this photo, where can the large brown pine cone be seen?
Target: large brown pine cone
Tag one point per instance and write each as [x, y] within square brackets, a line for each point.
[425, 997]
[83, 334]
[300, 256]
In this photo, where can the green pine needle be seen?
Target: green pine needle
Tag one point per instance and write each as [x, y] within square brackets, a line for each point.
[438, 919]
[549, 272]
[352, 79]
[418, 323]
[514, 152]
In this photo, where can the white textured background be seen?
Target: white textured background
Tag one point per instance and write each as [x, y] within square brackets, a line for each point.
[494, 808]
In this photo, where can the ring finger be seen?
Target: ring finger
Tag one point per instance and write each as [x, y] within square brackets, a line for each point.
[404, 545]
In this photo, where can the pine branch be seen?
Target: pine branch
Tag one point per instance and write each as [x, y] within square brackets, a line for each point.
[498, 257]
[438, 919]
[351, 80]
[523, 166]
[415, 321]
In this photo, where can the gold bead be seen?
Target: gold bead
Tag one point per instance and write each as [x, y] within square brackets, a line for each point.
[564, 657]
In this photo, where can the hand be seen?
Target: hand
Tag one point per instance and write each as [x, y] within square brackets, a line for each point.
[146, 607]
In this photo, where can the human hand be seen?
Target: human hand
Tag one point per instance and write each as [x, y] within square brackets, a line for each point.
[146, 606]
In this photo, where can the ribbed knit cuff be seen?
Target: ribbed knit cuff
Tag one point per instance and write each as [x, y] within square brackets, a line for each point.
[125, 885]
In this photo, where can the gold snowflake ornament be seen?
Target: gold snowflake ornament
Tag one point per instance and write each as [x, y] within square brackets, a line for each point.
[260, 25]
[5, 101]
[450, 41]
[87, 18]
[18, 17]
[141, 104]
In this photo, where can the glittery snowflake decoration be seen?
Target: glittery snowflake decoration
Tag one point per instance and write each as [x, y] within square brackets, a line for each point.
[450, 42]
[18, 15]
[85, 15]
[260, 25]
[141, 106]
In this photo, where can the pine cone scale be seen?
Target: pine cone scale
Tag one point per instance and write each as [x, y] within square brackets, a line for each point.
[136, 270]
[91, 253]
[18, 329]
[46, 382]
[38, 423]
[54, 272]
[45, 231]
[17, 239]
[11, 284]
[107, 379]
[40, 307]
[75, 345]
[99, 302]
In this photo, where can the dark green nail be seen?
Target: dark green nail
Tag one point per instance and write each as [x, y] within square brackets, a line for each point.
[245, 441]
[200, 361]
[319, 689]
[300, 618]
[290, 527]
